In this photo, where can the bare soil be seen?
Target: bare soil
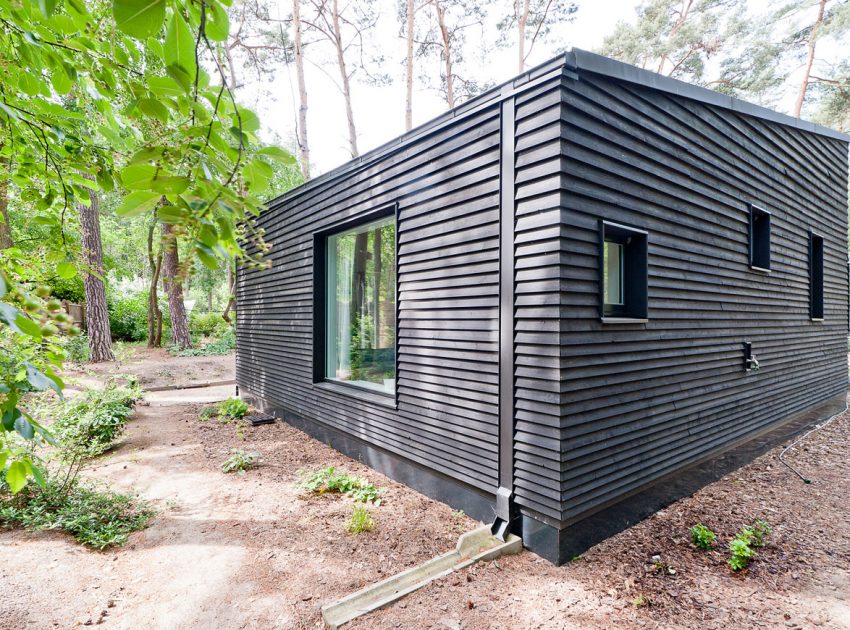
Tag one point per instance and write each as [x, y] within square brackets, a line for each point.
[156, 367]
[253, 551]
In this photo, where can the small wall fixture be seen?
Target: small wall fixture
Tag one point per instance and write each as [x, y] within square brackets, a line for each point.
[751, 363]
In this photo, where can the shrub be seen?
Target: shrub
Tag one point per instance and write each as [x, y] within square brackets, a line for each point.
[77, 348]
[329, 480]
[702, 536]
[88, 424]
[221, 346]
[95, 517]
[128, 316]
[233, 408]
[207, 324]
[239, 461]
[361, 521]
[741, 553]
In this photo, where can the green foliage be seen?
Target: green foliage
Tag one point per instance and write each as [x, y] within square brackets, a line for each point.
[232, 408]
[70, 289]
[641, 601]
[95, 517]
[239, 461]
[207, 413]
[330, 480]
[756, 535]
[224, 345]
[128, 316]
[361, 521]
[741, 553]
[89, 423]
[77, 349]
[702, 536]
[208, 324]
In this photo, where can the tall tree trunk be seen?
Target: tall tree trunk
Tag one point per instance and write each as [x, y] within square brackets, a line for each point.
[301, 132]
[5, 227]
[408, 102]
[447, 52]
[97, 315]
[174, 287]
[346, 85]
[522, 23]
[810, 60]
[231, 290]
[154, 312]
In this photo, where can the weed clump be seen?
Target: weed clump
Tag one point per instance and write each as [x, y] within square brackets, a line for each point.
[361, 521]
[330, 480]
[239, 461]
[742, 547]
[232, 408]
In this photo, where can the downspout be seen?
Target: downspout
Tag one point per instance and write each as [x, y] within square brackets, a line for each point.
[505, 505]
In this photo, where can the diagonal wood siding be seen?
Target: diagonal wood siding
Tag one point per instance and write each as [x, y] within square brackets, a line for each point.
[638, 401]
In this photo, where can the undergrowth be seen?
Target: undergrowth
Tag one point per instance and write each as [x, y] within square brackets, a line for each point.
[95, 517]
[330, 480]
[221, 346]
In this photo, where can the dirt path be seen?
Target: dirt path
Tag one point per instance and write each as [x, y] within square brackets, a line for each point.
[224, 551]
[230, 551]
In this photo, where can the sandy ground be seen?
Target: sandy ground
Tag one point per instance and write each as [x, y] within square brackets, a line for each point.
[252, 551]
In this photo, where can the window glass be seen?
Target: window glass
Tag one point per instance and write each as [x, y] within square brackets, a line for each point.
[613, 271]
[360, 302]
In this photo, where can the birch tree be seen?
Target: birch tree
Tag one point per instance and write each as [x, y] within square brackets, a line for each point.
[298, 54]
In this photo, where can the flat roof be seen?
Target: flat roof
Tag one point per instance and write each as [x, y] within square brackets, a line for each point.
[577, 60]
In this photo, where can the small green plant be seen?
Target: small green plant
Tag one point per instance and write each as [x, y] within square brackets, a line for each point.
[361, 521]
[77, 349]
[207, 413]
[756, 535]
[221, 346]
[239, 461]
[232, 408]
[95, 517]
[702, 536]
[329, 480]
[741, 553]
[641, 601]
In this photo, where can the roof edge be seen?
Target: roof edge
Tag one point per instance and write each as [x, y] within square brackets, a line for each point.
[582, 60]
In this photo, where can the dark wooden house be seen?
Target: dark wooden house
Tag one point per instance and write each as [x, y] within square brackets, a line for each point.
[564, 303]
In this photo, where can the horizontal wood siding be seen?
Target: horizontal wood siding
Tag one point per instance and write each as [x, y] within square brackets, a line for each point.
[447, 189]
[639, 401]
[538, 260]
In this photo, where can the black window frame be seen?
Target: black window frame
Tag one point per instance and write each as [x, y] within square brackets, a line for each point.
[635, 277]
[816, 269]
[320, 241]
[760, 227]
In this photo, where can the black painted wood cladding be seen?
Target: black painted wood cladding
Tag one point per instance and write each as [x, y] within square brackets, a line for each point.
[600, 409]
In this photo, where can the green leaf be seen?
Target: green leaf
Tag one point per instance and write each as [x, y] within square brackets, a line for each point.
[164, 86]
[39, 381]
[180, 76]
[24, 428]
[139, 18]
[137, 203]
[16, 476]
[137, 176]
[10, 417]
[217, 26]
[258, 174]
[66, 270]
[154, 109]
[173, 185]
[9, 315]
[27, 327]
[277, 154]
[171, 214]
[180, 45]
[48, 7]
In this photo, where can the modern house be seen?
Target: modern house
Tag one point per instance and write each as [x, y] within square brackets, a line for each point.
[564, 303]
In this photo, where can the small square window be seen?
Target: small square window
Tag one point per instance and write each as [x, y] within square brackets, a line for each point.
[815, 276]
[759, 238]
[622, 277]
